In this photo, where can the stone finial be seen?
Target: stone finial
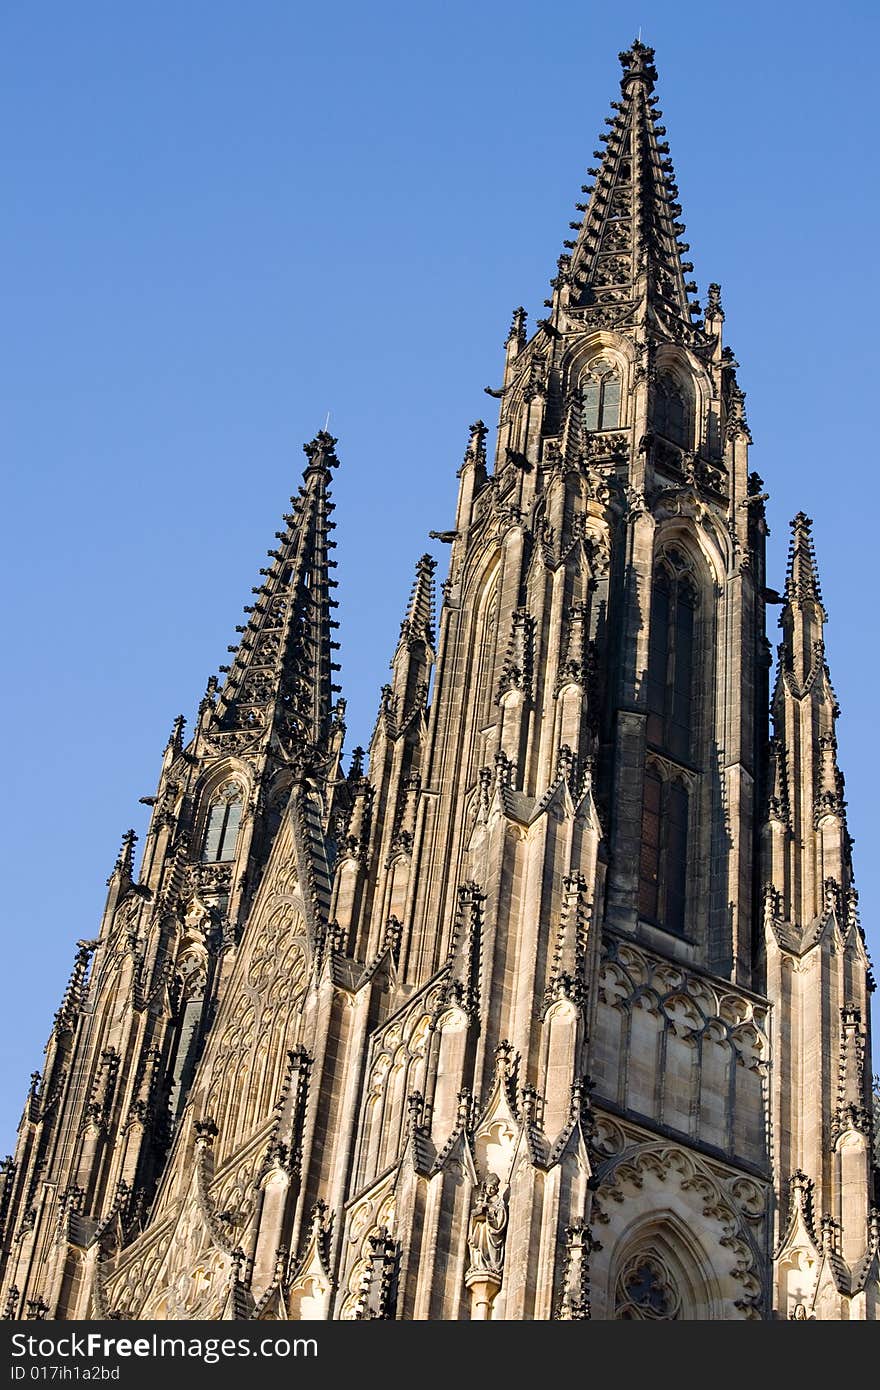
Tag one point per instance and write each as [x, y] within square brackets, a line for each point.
[464, 1112]
[638, 66]
[574, 1305]
[713, 303]
[175, 738]
[378, 1291]
[209, 699]
[320, 451]
[476, 449]
[206, 1133]
[236, 1264]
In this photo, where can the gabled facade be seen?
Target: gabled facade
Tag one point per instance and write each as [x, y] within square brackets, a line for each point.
[556, 1006]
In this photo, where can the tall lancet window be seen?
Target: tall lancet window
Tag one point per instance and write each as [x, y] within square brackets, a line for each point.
[601, 396]
[671, 744]
[484, 666]
[670, 410]
[221, 831]
[671, 658]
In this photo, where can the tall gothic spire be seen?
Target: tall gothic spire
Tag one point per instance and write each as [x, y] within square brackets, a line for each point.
[279, 686]
[334, 991]
[628, 250]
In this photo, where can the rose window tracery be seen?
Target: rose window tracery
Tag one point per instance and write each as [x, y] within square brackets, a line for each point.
[646, 1291]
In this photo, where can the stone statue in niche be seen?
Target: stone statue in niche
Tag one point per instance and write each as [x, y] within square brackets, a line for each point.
[486, 1232]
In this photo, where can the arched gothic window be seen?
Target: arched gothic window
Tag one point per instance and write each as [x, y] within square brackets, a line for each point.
[670, 410]
[663, 855]
[601, 396]
[671, 660]
[671, 734]
[221, 830]
[486, 641]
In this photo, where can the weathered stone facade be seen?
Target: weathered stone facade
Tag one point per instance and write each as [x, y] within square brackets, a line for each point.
[558, 1010]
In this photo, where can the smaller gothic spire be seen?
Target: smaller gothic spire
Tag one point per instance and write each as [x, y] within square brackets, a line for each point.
[517, 332]
[209, 699]
[279, 687]
[72, 999]
[802, 578]
[175, 740]
[714, 307]
[418, 625]
[476, 449]
[414, 654]
[124, 866]
[472, 475]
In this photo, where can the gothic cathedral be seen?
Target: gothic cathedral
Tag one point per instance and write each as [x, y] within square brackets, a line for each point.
[555, 1004]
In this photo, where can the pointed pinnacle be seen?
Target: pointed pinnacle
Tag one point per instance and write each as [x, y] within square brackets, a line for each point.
[802, 577]
[286, 684]
[175, 739]
[418, 625]
[517, 333]
[714, 309]
[209, 699]
[124, 866]
[629, 234]
[73, 995]
[317, 1220]
[476, 448]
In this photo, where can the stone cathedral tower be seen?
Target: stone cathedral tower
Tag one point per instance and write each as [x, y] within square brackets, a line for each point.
[557, 1006]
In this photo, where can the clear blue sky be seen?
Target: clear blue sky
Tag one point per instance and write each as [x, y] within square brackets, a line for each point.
[222, 220]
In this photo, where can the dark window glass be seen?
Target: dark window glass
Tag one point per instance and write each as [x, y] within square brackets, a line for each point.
[658, 658]
[649, 865]
[230, 836]
[671, 661]
[670, 415]
[214, 833]
[592, 401]
[682, 678]
[221, 831]
[675, 859]
[601, 398]
[663, 852]
[670, 732]
[646, 1291]
[610, 413]
[714, 436]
